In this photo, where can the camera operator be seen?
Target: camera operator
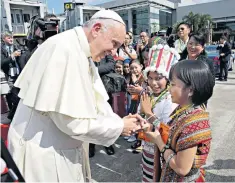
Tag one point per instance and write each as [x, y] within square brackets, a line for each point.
[37, 38]
[10, 66]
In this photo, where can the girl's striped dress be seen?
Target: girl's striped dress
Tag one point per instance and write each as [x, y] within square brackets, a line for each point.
[162, 110]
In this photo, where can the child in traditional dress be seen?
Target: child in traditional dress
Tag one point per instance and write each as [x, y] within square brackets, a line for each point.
[157, 106]
[184, 142]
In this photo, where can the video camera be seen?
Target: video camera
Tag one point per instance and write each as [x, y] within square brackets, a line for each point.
[41, 29]
[49, 28]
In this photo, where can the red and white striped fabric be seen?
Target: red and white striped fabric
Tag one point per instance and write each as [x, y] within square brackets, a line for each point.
[161, 58]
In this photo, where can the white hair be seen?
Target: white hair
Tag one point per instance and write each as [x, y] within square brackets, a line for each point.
[106, 22]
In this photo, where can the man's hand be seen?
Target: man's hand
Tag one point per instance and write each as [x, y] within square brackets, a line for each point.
[222, 54]
[132, 123]
[140, 45]
[16, 54]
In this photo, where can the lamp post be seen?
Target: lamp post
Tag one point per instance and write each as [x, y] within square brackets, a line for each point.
[209, 32]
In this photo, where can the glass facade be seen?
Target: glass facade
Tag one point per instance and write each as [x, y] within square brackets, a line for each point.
[147, 18]
[124, 15]
[224, 25]
[165, 19]
[140, 20]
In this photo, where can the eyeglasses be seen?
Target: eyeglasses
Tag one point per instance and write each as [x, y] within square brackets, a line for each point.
[181, 29]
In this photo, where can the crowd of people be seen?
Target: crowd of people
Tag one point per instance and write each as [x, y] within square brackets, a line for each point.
[63, 108]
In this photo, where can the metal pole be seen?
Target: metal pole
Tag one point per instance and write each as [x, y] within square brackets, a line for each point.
[75, 13]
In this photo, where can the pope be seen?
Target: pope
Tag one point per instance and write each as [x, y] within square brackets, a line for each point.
[64, 106]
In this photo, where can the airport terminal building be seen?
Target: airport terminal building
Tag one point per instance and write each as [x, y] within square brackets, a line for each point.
[145, 15]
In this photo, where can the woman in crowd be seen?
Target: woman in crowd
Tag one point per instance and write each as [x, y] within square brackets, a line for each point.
[195, 50]
[156, 107]
[184, 143]
[126, 50]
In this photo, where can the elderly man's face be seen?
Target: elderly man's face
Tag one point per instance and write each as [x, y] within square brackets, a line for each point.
[144, 37]
[8, 40]
[106, 39]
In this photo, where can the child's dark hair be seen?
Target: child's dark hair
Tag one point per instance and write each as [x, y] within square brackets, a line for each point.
[119, 62]
[195, 74]
[199, 37]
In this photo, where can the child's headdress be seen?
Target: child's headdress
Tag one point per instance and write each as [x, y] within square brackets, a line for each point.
[161, 58]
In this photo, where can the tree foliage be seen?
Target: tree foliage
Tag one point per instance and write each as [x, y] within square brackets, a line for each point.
[198, 22]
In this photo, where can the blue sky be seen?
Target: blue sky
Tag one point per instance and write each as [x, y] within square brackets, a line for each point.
[58, 5]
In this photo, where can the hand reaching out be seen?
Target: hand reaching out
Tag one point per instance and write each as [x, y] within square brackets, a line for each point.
[134, 90]
[132, 123]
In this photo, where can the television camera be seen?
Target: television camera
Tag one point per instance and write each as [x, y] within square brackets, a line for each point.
[41, 29]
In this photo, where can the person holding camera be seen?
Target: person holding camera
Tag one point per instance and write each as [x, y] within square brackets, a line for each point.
[126, 51]
[142, 45]
[38, 37]
[10, 66]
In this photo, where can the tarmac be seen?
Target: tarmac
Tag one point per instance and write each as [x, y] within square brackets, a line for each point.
[124, 166]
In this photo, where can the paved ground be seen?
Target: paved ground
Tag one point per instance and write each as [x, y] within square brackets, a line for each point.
[125, 166]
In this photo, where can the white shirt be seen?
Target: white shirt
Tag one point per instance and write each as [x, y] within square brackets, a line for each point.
[124, 55]
[180, 45]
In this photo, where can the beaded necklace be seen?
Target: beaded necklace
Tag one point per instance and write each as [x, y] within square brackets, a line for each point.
[159, 98]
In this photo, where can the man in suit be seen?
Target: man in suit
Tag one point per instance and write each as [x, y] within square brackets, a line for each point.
[10, 66]
[225, 53]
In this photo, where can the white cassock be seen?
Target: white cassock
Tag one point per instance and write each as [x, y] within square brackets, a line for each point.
[63, 107]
